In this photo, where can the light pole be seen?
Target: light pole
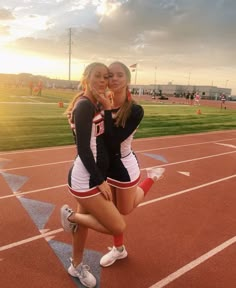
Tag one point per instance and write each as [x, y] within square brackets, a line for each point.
[155, 79]
[226, 82]
[70, 54]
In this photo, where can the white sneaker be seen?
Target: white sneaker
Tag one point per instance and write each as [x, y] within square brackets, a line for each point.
[114, 254]
[155, 173]
[68, 226]
[82, 272]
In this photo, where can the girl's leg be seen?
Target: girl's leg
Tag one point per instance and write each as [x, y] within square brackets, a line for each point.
[118, 251]
[103, 215]
[127, 200]
[77, 268]
[130, 198]
[79, 237]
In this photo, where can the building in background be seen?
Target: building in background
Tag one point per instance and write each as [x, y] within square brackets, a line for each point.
[206, 92]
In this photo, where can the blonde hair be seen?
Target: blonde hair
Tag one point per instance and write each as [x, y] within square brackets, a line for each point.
[125, 109]
[83, 85]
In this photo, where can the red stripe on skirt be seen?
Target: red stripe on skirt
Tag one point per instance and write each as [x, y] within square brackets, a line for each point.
[79, 194]
[123, 185]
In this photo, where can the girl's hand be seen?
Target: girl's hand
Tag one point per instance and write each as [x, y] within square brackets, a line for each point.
[104, 98]
[106, 190]
[70, 119]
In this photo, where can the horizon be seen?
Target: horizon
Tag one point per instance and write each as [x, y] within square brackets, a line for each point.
[131, 84]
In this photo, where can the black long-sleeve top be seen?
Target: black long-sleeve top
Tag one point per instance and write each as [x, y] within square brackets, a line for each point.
[89, 133]
[119, 139]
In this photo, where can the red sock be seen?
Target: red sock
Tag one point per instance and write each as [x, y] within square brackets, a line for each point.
[118, 240]
[146, 184]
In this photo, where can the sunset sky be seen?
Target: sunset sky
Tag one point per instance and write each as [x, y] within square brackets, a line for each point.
[178, 41]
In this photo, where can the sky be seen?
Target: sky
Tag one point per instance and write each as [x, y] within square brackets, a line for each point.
[179, 41]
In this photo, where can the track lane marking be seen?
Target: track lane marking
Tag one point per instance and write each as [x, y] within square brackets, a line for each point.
[185, 191]
[185, 145]
[161, 165]
[12, 245]
[194, 159]
[38, 165]
[38, 150]
[178, 273]
[67, 161]
[19, 194]
[135, 140]
[27, 240]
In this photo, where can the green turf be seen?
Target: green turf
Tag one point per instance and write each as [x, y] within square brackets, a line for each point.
[41, 123]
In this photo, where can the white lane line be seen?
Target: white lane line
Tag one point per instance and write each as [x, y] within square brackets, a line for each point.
[40, 150]
[169, 164]
[178, 273]
[18, 243]
[19, 194]
[186, 190]
[194, 159]
[35, 166]
[185, 145]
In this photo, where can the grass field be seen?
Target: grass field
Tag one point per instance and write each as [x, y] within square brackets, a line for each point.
[32, 122]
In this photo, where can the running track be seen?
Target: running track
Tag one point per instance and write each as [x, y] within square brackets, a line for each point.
[182, 236]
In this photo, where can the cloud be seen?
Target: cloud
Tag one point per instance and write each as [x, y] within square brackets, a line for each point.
[4, 30]
[168, 33]
[5, 14]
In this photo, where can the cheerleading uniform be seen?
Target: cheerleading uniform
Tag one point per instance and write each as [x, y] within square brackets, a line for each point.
[90, 165]
[123, 171]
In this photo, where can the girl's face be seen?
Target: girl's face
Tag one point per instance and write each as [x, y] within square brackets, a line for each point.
[117, 78]
[98, 79]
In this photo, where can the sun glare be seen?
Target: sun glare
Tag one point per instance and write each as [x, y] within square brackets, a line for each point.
[13, 62]
[27, 26]
[106, 9]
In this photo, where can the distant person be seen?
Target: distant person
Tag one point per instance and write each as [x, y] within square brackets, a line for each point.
[31, 86]
[40, 88]
[187, 96]
[197, 99]
[191, 98]
[223, 100]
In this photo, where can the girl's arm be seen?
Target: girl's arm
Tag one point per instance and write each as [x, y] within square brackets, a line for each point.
[119, 134]
[83, 119]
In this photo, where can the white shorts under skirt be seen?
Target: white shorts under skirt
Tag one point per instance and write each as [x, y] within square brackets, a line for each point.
[78, 181]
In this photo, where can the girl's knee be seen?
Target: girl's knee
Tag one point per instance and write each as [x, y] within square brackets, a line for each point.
[125, 211]
[120, 228]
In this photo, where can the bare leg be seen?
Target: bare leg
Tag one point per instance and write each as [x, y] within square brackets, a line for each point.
[104, 216]
[128, 199]
[78, 240]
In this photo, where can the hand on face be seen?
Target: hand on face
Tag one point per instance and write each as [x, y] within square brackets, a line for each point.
[104, 98]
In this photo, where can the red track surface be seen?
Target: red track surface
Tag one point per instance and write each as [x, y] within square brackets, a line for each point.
[182, 236]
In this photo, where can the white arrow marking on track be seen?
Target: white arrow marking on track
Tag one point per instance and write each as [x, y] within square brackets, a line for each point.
[227, 145]
[184, 173]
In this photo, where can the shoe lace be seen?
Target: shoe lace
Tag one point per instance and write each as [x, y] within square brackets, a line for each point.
[113, 251]
[73, 226]
[84, 271]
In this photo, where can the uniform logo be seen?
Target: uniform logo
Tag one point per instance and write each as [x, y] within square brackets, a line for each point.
[98, 124]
